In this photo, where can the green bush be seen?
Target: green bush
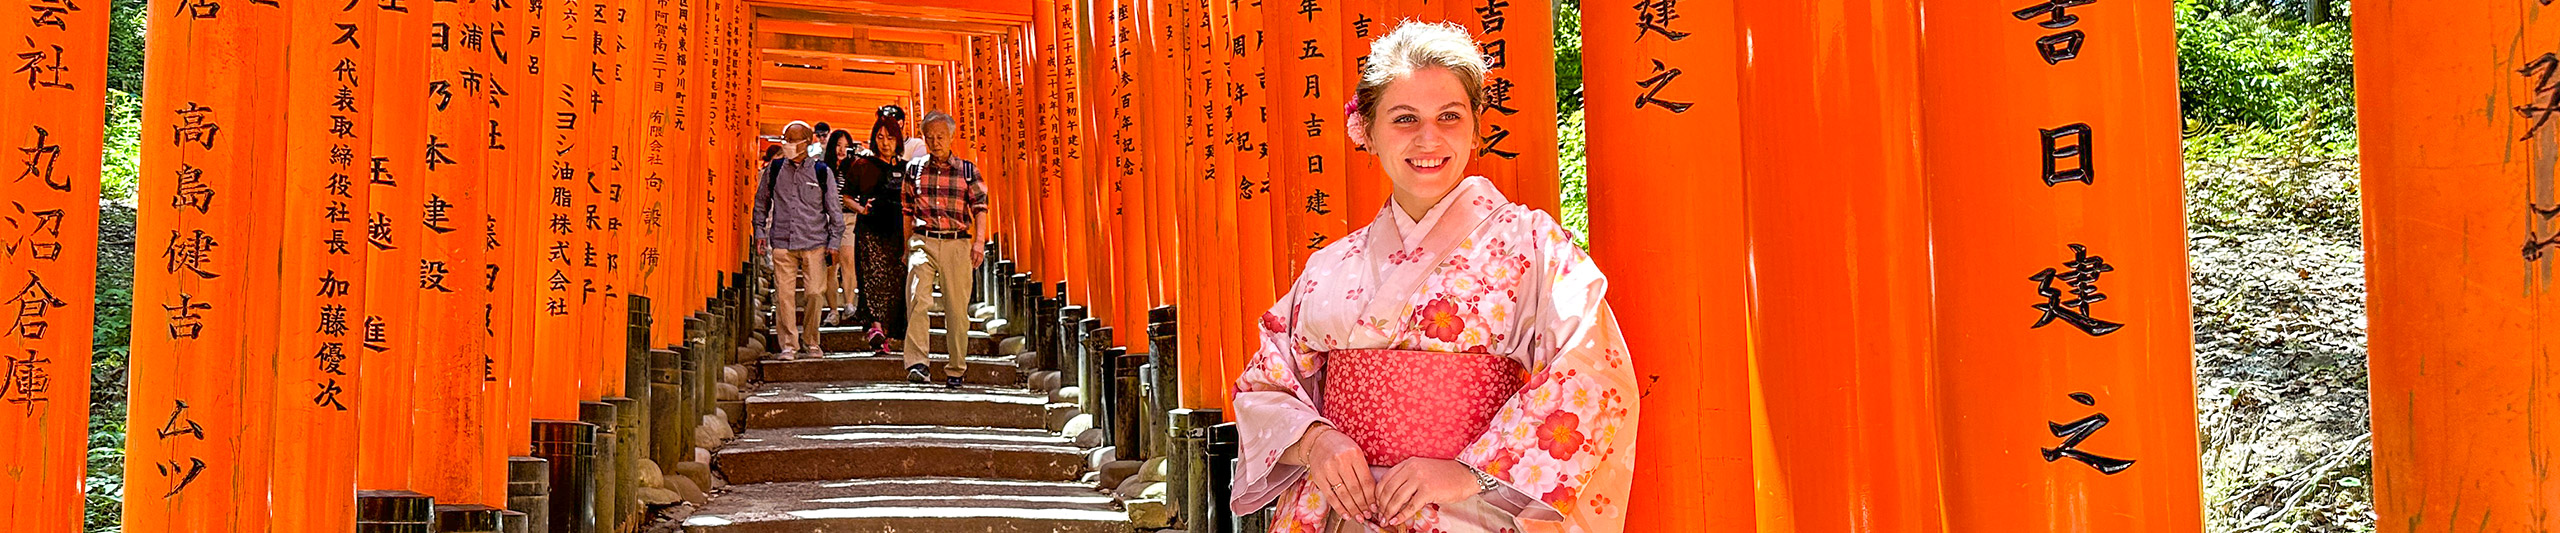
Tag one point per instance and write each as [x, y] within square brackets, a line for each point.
[2259, 79]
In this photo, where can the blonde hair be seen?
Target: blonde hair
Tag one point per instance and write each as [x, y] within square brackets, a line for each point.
[1415, 46]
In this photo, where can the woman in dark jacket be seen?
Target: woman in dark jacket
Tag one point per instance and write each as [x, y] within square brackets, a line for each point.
[876, 240]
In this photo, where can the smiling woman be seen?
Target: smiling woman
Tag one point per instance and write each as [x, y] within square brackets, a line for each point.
[1472, 376]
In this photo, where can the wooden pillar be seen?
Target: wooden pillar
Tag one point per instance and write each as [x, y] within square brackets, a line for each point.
[1214, 54]
[2459, 224]
[1264, 273]
[1156, 86]
[201, 383]
[1519, 123]
[659, 150]
[1687, 327]
[1308, 90]
[1044, 106]
[1839, 241]
[684, 178]
[557, 70]
[614, 32]
[450, 420]
[517, 173]
[2105, 391]
[394, 176]
[576, 71]
[1365, 188]
[1126, 168]
[47, 268]
[1075, 194]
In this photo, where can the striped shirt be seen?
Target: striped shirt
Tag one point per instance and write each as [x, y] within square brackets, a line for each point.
[947, 196]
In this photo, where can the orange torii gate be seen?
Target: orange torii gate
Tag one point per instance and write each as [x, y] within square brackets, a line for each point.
[2459, 233]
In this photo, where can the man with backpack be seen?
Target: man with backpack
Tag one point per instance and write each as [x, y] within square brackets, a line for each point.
[796, 223]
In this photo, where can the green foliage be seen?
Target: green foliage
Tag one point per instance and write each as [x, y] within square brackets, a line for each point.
[107, 367]
[111, 342]
[1573, 171]
[2256, 78]
[1568, 56]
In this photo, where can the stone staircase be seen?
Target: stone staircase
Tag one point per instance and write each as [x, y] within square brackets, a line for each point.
[843, 444]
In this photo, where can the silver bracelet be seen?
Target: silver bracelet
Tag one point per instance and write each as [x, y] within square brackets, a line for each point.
[1484, 482]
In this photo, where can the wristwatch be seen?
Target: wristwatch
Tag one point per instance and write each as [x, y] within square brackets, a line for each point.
[1484, 482]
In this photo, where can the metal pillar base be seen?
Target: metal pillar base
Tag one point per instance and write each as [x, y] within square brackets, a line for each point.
[1165, 388]
[529, 491]
[630, 443]
[514, 522]
[1223, 439]
[394, 511]
[466, 518]
[1188, 468]
[1125, 411]
[570, 449]
[667, 442]
[604, 479]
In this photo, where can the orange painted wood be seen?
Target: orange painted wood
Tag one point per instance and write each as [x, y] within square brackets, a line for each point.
[1043, 74]
[389, 331]
[560, 75]
[1519, 124]
[1682, 302]
[2458, 192]
[1215, 55]
[1839, 242]
[48, 259]
[450, 419]
[1159, 140]
[659, 227]
[580, 64]
[1115, 125]
[320, 335]
[516, 173]
[1309, 90]
[212, 116]
[1989, 98]
[617, 28]
[1365, 185]
[1074, 191]
[1263, 270]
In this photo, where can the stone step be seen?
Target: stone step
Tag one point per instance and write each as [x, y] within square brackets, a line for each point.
[885, 368]
[909, 505]
[975, 324]
[852, 338]
[781, 405]
[870, 452]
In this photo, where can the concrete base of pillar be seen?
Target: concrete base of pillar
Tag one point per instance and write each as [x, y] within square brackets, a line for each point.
[529, 491]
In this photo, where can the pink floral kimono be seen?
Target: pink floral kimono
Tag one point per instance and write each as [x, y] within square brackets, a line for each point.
[1482, 339]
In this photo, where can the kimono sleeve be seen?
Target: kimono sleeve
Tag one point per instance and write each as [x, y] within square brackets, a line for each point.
[1273, 407]
[1564, 446]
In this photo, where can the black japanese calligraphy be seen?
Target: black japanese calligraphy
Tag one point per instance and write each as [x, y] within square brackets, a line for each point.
[2080, 430]
[2083, 280]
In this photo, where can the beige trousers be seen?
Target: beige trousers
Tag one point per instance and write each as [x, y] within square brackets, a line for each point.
[844, 297]
[795, 315]
[947, 262]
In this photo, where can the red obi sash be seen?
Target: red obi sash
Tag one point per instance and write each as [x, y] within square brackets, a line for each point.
[1401, 403]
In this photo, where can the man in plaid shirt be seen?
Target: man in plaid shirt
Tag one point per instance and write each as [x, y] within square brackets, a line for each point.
[946, 204]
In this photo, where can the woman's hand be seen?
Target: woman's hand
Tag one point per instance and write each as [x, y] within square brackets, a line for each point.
[1419, 482]
[1337, 469]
